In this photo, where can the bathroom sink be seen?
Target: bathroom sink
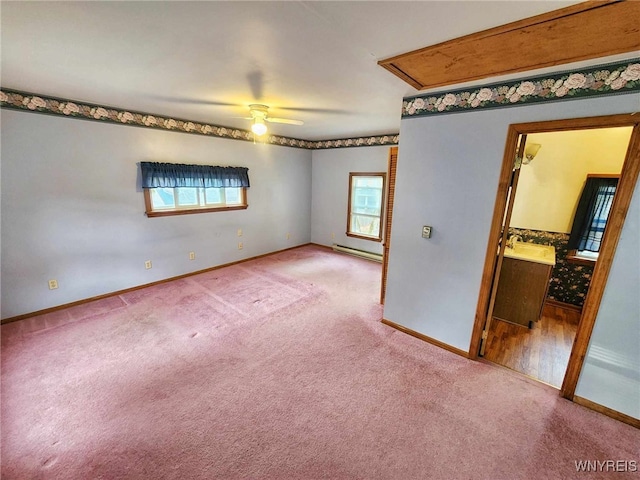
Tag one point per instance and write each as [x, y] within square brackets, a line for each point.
[532, 252]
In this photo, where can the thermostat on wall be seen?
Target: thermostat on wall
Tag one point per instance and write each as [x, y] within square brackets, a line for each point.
[426, 232]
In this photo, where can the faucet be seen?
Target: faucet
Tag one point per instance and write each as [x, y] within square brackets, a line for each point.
[511, 243]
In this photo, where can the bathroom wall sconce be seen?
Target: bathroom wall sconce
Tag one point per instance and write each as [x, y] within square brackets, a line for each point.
[530, 151]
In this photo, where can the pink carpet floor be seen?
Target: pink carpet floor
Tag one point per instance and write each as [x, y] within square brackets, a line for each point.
[278, 368]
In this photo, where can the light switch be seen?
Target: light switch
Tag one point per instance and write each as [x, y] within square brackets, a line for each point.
[426, 232]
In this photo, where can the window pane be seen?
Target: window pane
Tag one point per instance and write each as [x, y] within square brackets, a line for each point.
[366, 205]
[602, 207]
[212, 195]
[367, 200]
[179, 201]
[162, 198]
[367, 195]
[365, 225]
[368, 182]
[187, 196]
[232, 196]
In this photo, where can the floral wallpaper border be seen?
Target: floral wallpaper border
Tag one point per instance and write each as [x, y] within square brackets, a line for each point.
[19, 100]
[614, 78]
[609, 79]
[390, 139]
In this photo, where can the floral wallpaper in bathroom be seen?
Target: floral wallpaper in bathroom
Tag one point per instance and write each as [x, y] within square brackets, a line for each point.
[569, 281]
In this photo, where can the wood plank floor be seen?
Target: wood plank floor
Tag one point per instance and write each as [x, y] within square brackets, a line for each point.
[541, 352]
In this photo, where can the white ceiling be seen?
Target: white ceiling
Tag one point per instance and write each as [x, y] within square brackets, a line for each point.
[203, 61]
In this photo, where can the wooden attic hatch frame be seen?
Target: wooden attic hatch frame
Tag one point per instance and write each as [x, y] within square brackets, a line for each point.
[584, 31]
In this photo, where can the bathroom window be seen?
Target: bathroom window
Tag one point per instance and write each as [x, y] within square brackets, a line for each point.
[591, 217]
[366, 205]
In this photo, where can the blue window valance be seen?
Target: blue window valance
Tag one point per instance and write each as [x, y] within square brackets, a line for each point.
[174, 175]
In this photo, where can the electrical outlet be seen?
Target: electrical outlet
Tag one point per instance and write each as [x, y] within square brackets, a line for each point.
[239, 232]
[426, 232]
[240, 245]
[53, 284]
[333, 236]
[192, 255]
[288, 236]
[147, 264]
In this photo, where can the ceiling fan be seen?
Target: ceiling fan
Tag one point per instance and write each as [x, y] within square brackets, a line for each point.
[260, 114]
[258, 111]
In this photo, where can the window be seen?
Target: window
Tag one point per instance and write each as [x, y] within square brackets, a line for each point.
[591, 217]
[181, 200]
[176, 189]
[366, 194]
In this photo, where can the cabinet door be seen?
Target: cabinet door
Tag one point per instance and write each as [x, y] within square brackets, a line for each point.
[522, 289]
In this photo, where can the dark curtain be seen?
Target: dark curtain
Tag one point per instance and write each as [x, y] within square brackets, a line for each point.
[592, 214]
[173, 175]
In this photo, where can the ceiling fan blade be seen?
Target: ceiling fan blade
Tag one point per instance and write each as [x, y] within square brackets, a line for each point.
[316, 110]
[210, 102]
[284, 120]
[193, 101]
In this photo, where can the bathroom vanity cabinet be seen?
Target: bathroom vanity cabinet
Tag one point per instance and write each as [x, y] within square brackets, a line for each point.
[522, 289]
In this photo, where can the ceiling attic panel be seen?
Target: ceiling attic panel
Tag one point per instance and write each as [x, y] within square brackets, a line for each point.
[580, 32]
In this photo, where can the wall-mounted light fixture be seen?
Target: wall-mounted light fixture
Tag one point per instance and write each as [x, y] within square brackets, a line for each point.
[530, 151]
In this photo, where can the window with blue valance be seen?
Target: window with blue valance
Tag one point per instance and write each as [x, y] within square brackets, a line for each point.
[178, 189]
[176, 175]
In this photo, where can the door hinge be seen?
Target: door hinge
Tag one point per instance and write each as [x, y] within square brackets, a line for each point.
[518, 163]
[485, 334]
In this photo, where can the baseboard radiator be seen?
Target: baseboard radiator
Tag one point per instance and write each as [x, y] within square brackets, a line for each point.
[376, 257]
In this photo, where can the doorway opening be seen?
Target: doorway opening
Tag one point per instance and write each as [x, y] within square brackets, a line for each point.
[541, 291]
[553, 292]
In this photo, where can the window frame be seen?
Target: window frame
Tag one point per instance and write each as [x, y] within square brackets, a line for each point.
[177, 210]
[349, 233]
[574, 257]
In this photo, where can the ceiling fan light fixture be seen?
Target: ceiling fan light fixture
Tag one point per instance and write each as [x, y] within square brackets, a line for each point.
[259, 115]
[258, 126]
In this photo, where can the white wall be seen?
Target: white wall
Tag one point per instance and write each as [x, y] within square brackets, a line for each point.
[550, 186]
[73, 210]
[611, 372]
[331, 191]
[447, 177]
[448, 170]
